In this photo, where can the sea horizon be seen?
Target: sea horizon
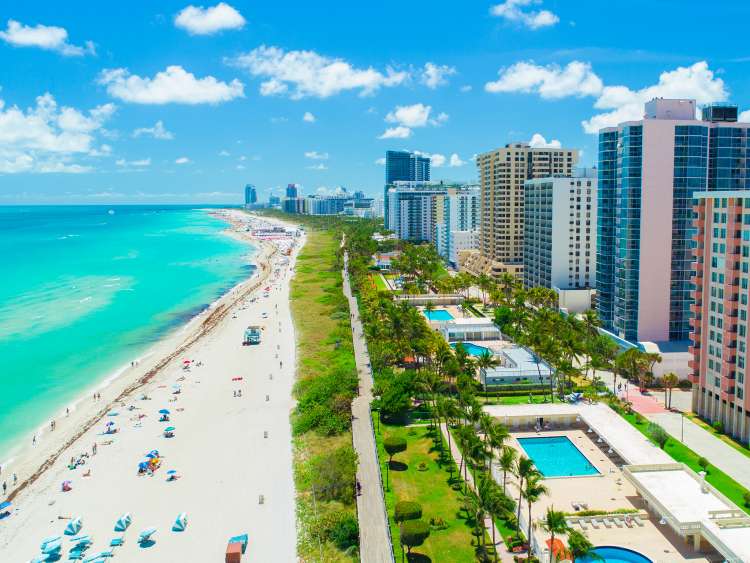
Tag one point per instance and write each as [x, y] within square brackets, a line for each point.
[89, 288]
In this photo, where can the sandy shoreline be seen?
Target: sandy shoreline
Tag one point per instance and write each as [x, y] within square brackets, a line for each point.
[212, 338]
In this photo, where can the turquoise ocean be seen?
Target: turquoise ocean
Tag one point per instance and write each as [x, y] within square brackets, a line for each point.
[84, 290]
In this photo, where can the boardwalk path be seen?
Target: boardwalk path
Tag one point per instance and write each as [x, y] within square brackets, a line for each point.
[374, 532]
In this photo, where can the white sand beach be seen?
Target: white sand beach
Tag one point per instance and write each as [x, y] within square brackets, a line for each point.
[228, 450]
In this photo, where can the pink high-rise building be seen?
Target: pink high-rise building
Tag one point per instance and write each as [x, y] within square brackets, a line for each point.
[720, 307]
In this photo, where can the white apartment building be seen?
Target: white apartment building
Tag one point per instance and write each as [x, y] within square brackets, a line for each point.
[456, 220]
[560, 232]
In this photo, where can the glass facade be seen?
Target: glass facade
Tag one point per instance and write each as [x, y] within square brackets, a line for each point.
[605, 226]
[690, 160]
[628, 231]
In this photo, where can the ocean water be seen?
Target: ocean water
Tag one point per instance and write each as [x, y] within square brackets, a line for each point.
[86, 289]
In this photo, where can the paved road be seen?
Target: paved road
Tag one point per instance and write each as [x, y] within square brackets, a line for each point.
[374, 533]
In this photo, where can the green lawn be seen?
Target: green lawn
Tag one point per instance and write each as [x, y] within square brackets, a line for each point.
[379, 282]
[513, 400]
[682, 454]
[431, 489]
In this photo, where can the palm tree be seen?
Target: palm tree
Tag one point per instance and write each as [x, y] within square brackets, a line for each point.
[507, 463]
[498, 434]
[486, 360]
[669, 380]
[554, 522]
[524, 469]
[531, 492]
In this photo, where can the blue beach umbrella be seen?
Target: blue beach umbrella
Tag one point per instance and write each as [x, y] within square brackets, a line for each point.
[169, 429]
[124, 521]
[164, 411]
[172, 472]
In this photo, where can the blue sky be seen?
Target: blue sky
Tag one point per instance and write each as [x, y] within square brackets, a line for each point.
[173, 102]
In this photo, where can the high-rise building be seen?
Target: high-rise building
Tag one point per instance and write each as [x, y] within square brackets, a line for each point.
[409, 210]
[405, 166]
[274, 201]
[292, 191]
[648, 172]
[502, 174]
[456, 221]
[251, 195]
[559, 232]
[720, 305]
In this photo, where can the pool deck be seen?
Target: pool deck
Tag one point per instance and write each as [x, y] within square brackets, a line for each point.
[613, 488]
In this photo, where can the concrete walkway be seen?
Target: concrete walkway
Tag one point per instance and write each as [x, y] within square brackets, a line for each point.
[375, 545]
[684, 430]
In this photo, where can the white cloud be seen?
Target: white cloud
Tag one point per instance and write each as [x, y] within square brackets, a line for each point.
[744, 116]
[198, 20]
[45, 137]
[409, 117]
[173, 85]
[46, 37]
[513, 11]
[551, 81]
[182, 160]
[399, 132]
[136, 163]
[223, 153]
[380, 161]
[466, 88]
[438, 160]
[306, 73]
[158, 131]
[696, 82]
[436, 75]
[539, 142]
[319, 166]
[315, 155]
[455, 160]
[308, 117]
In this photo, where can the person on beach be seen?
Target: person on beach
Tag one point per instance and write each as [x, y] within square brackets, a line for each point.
[5, 487]
[15, 479]
[93, 449]
[33, 440]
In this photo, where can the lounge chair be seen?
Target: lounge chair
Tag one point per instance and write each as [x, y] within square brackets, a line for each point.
[582, 524]
[571, 522]
[619, 521]
[595, 523]
[638, 521]
[606, 522]
[117, 542]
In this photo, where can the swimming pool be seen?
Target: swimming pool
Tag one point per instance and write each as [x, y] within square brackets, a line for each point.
[613, 554]
[472, 349]
[557, 456]
[438, 315]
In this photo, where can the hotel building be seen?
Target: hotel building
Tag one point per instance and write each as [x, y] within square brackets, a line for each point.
[720, 304]
[409, 210]
[559, 237]
[649, 171]
[502, 174]
[405, 166]
[456, 222]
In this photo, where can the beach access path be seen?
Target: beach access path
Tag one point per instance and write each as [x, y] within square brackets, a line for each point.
[231, 448]
[374, 532]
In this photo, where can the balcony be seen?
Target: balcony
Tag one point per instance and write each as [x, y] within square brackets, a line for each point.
[695, 308]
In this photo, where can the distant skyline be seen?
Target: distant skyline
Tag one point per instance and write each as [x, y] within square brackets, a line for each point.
[179, 103]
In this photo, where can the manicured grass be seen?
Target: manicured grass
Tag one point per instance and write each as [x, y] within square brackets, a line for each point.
[682, 454]
[431, 489]
[723, 437]
[513, 400]
[323, 339]
[379, 282]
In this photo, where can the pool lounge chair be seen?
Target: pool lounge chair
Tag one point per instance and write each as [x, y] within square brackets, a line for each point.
[619, 521]
[582, 524]
[595, 523]
[571, 522]
[606, 522]
[637, 519]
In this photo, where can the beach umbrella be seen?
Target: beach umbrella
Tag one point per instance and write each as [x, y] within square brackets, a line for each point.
[49, 539]
[74, 526]
[52, 547]
[124, 521]
[164, 411]
[80, 539]
[180, 522]
[172, 472]
[146, 534]
[110, 423]
[169, 429]
[153, 453]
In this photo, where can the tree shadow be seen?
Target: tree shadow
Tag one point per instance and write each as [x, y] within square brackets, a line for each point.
[398, 466]
[418, 558]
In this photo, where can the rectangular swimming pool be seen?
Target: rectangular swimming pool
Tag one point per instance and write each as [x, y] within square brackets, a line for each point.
[472, 349]
[557, 456]
[438, 315]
